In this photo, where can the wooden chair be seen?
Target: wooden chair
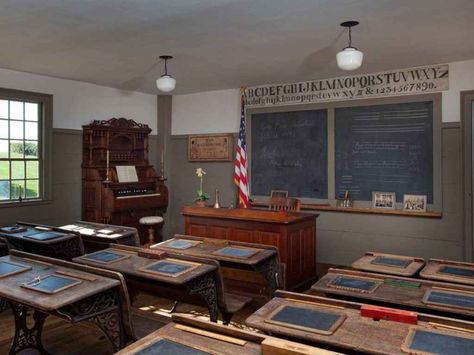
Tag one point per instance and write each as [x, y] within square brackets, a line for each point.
[284, 204]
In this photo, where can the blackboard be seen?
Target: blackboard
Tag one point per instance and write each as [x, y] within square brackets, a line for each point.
[462, 300]
[353, 283]
[289, 152]
[438, 343]
[457, 271]
[168, 347]
[384, 148]
[394, 262]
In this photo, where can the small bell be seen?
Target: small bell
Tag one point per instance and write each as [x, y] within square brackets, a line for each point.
[216, 203]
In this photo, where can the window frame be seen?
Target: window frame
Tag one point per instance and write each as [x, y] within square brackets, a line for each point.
[45, 123]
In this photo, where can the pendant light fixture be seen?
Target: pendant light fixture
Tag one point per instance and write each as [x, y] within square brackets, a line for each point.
[166, 82]
[349, 58]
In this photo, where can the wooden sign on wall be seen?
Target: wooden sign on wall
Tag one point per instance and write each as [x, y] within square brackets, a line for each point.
[210, 147]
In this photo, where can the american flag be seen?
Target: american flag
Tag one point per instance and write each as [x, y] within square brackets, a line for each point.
[240, 174]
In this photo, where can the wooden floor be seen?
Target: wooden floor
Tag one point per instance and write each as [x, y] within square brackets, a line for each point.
[149, 313]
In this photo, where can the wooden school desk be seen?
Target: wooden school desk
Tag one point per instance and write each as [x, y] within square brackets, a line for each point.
[98, 236]
[234, 256]
[168, 275]
[293, 233]
[339, 325]
[391, 264]
[72, 292]
[43, 240]
[190, 336]
[400, 292]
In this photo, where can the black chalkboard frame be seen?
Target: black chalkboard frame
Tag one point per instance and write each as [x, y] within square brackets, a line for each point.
[436, 205]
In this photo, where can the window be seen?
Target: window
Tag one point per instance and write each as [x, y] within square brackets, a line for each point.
[22, 145]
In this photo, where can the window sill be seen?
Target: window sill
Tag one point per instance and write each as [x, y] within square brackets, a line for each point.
[28, 203]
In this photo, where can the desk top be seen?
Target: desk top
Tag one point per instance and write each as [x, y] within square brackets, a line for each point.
[248, 214]
[389, 264]
[449, 271]
[11, 289]
[36, 234]
[217, 249]
[355, 332]
[107, 232]
[409, 292]
[174, 269]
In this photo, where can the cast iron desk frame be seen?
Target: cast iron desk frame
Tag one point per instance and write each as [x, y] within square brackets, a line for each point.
[266, 262]
[106, 305]
[66, 247]
[201, 282]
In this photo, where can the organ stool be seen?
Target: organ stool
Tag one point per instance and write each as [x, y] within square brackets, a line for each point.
[153, 222]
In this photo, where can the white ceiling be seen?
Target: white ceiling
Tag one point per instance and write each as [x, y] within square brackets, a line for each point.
[221, 44]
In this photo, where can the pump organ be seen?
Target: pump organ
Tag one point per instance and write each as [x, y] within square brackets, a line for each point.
[106, 145]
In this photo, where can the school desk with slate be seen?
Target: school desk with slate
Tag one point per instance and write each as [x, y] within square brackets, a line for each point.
[166, 275]
[189, 336]
[426, 296]
[360, 328]
[43, 240]
[98, 236]
[449, 271]
[389, 264]
[233, 257]
[47, 286]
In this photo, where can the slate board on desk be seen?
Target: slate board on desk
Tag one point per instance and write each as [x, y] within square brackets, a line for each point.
[234, 252]
[180, 244]
[456, 271]
[289, 152]
[52, 284]
[305, 318]
[8, 268]
[384, 148]
[42, 236]
[105, 257]
[355, 284]
[168, 347]
[169, 267]
[449, 299]
[434, 342]
[394, 262]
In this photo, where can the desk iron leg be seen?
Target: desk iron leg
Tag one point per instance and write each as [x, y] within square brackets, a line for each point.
[271, 272]
[3, 305]
[104, 311]
[27, 338]
[205, 287]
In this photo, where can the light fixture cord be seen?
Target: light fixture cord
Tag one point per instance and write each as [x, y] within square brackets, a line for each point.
[166, 66]
[350, 37]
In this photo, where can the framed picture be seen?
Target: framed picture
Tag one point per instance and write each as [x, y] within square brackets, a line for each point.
[383, 200]
[414, 203]
[279, 193]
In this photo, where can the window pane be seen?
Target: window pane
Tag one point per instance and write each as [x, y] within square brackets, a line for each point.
[31, 130]
[31, 111]
[18, 169]
[31, 149]
[3, 129]
[4, 170]
[3, 108]
[32, 188]
[16, 110]
[17, 187]
[4, 190]
[16, 130]
[16, 149]
[3, 149]
[32, 168]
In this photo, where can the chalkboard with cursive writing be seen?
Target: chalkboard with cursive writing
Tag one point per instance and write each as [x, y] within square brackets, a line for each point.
[384, 148]
[289, 152]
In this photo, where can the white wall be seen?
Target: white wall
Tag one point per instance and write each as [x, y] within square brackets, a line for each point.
[219, 111]
[206, 112]
[77, 103]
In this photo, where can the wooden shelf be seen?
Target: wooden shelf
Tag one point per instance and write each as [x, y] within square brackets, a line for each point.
[362, 210]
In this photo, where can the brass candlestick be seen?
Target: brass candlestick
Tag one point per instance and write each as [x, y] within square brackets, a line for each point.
[217, 203]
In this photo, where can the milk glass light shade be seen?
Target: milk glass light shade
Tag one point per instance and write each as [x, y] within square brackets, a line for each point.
[166, 83]
[349, 58]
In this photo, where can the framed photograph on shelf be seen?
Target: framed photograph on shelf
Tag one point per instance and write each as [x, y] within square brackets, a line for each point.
[414, 203]
[279, 194]
[383, 200]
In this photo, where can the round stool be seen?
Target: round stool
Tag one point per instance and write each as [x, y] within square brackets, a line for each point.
[152, 222]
